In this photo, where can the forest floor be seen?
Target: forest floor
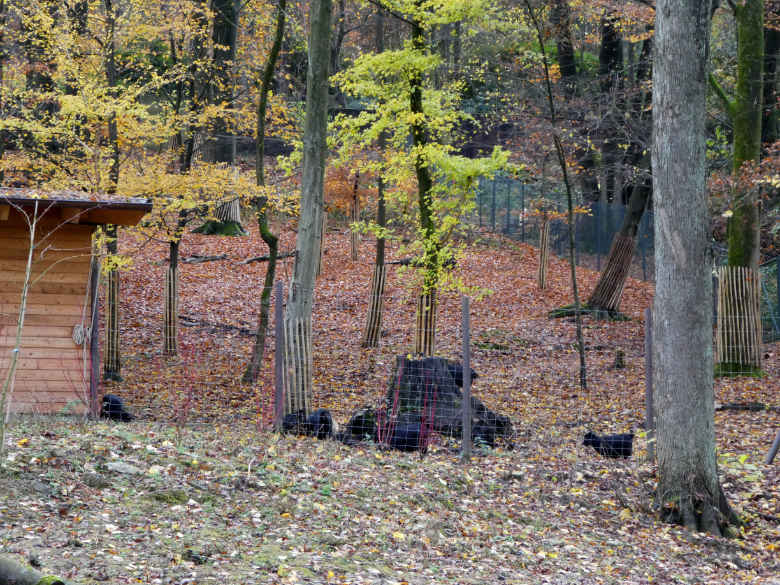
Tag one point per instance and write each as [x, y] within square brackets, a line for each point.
[198, 490]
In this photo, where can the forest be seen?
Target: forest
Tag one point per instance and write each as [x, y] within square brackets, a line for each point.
[389, 291]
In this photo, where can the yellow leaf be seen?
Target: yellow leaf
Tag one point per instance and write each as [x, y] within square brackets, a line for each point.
[22, 442]
[400, 536]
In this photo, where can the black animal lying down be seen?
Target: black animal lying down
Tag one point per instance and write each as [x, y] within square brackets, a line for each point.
[456, 371]
[318, 424]
[614, 446]
[114, 409]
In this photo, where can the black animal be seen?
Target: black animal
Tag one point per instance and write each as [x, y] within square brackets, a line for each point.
[407, 437]
[318, 424]
[456, 371]
[483, 435]
[615, 446]
[114, 409]
[360, 427]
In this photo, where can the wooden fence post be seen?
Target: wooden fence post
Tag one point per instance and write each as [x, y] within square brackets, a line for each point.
[279, 361]
[649, 408]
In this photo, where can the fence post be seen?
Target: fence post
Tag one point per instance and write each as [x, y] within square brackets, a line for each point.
[466, 327]
[508, 205]
[522, 212]
[597, 229]
[649, 408]
[773, 450]
[493, 207]
[279, 376]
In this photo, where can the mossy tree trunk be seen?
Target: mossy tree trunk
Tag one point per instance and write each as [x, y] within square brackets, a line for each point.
[271, 240]
[425, 334]
[745, 112]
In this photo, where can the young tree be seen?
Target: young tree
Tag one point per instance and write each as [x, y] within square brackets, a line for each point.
[403, 103]
[688, 485]
[297, 319]
[261, 204]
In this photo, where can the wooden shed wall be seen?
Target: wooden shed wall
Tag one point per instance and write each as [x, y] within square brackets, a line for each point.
[53, 371]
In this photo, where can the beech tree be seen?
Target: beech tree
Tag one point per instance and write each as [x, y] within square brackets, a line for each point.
[399, 87]
[688, 485]
[297, 319]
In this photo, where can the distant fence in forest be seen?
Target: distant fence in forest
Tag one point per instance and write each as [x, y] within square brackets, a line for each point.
[504, 205]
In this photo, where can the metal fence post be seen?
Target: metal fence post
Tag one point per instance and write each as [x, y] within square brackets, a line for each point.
[466, 327]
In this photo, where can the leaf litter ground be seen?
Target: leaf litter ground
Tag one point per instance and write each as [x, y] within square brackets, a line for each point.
[199, 491]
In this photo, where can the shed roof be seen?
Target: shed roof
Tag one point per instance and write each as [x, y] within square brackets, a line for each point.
[77, 206]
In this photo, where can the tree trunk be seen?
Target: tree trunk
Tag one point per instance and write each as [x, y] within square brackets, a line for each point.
[354, 236]
[270, 239]
[373, 328]
[607, 294]
[425, 333]
[171, 301]
[426, 320]
[745, 111]
[771, 118]
[299, 305]
[13, 572]
[560, 19]
[688, 486]
[544, 254]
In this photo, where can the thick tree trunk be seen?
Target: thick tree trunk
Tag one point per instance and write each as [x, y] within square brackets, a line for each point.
[560, 19]
[688, 486]
[13, 572]
[299, 305]
[745, 111]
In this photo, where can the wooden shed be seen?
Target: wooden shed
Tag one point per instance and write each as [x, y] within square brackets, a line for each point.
[54, 370]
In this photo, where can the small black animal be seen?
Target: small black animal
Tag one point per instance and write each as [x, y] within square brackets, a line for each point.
[318, 424]
[114, 409]
[360, 427]
[483, 435]
[407, 437]
[456, 371]
[615, 446]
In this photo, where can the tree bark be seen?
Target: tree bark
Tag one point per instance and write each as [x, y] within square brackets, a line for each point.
[424, 335]
[688, 486]
[270, 239]
[307, 245]
[377, 295]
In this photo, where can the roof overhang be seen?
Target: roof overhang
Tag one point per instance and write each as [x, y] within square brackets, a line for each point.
[75, 208]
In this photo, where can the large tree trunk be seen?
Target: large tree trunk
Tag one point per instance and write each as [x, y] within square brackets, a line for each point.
[688, 485]
[307, 244]
[270, 239]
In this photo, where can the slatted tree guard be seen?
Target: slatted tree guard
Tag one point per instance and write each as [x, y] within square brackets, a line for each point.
[170, 317]
[424, 338]
[738, 340]
[544, 252]
[111, 362]
[376, 307]
[298, 364]
[609, 290]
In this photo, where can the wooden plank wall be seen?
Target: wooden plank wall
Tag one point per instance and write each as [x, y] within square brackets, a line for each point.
[53, 371]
